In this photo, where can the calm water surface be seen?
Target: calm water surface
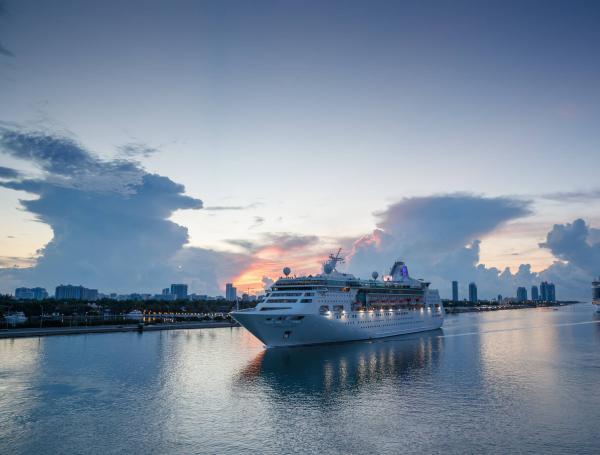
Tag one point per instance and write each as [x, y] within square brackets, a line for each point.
[525, 381]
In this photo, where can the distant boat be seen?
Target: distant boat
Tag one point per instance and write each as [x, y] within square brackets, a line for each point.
[135, 314]
[17, 317]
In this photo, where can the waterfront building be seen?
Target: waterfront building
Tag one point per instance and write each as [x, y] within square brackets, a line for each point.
[166, 291]
[535, 295]
[544, 291]
[521, 294]
[180, 290]
[31, 294]
[24, 294]
[455, 291]
[70, 292]
[230, 292]
[551, 292]
[499, 298]
[472, 292]
[547, 292]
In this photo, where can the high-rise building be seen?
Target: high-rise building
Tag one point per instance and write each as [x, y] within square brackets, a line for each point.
[455, 291]
[472, 292]
[70, 292]
[551, 292]
[180, 290]
[230, 292]
[521, 294]
[24, 294]
[535, 295]
[499, 298]
[543, 291]
[166, 291]
[31, 294]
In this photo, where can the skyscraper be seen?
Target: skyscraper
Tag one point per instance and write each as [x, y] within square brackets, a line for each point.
[472, 292]
[455, 291]
[551, 292]
[535, 295]
[544, 291]
[230, 292]
[180, 290]
[521, 294]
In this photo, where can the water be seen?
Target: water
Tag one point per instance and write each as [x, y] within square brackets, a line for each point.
[523, 381]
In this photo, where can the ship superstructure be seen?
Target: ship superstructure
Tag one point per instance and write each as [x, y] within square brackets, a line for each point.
[333, 307]
[596, 294]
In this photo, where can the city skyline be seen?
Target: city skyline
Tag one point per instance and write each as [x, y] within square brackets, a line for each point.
[226, 143]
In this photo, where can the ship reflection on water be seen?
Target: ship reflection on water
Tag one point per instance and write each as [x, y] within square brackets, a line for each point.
[323, 368]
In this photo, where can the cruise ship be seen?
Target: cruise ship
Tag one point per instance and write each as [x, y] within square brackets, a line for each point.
[596, 294]
[333, 307]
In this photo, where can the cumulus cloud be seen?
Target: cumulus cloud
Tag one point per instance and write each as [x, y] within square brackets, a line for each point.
[429, 229]
[267, 282]
[110, 220]
[577, 244]
[439, 238]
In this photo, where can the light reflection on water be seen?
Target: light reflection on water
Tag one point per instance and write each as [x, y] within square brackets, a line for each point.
[503, 382]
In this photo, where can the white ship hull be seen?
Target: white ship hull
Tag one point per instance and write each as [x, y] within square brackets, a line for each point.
[276, 329]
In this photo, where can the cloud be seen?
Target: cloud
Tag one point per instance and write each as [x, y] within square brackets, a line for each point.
[429, 229]
[289, 241]
[575, 243]
[574, 196]
[218, 208]
[136, 149]
[282, 241]
[267, 282]
[258, 220]
[439, 238]
[8, 173]
[110, 220]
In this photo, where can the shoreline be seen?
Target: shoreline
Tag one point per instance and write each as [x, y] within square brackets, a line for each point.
[53, 331]
[477, 309]
[32, 332]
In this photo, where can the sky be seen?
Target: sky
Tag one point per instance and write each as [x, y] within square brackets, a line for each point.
[149, 142]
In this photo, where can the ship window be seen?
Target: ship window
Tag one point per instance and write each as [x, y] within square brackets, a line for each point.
[267, 308]
[306, 300]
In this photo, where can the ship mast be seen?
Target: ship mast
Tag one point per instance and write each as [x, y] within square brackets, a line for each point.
[333, 261]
